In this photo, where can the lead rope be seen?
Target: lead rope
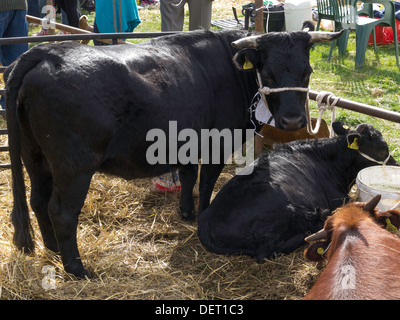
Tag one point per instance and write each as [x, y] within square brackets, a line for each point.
[322, 107]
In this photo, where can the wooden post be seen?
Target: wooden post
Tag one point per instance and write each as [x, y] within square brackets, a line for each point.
[259, 19]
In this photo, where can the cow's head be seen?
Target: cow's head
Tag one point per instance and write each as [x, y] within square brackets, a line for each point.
[282, 60]
[346, 220]
[369, 143]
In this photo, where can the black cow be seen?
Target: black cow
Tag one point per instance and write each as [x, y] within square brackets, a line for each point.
[73, 110]
[290, 191]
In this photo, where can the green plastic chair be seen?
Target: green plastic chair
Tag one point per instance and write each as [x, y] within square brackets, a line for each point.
[325, 11]
[345, 17]
[365, 25]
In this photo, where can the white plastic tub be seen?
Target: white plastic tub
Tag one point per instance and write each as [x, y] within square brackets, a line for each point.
[296, 12]
[384, 180]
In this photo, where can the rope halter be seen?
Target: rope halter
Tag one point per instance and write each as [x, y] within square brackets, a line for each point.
[373, 160]
[322, 107]
[267, 90]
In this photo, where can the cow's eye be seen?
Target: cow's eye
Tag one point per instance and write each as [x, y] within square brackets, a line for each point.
[267, 79]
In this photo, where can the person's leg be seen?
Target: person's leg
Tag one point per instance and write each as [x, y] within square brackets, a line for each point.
[4, 18]
[96, 30]
[200, 14]
[33, 8]
[70, 7]
[172, 15]
[12, 24]
[17, 27]
[43, 12]
[64, 17]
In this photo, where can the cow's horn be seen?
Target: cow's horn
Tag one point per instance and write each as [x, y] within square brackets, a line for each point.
[371, 204]
[321, 234]
[247, 42]
[319, 36]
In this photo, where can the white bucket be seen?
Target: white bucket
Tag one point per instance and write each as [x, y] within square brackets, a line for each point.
[384, 180]
[296, 12]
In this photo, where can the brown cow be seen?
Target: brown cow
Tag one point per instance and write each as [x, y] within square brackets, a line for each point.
[363, 258]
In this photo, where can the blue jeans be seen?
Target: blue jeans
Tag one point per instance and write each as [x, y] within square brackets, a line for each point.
[12, 24]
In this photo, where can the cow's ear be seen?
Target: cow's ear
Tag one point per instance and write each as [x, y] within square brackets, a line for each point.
[316, 250]
[352, 140]
[246, 59]
[339, 128]
[390, 220]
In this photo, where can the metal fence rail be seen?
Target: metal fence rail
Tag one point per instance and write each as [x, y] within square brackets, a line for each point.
[88, 36]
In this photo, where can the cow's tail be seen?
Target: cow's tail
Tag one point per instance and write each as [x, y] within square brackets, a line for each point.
[13, 76]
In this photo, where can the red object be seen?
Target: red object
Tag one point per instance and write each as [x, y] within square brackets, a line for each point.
[384, 35]
[167, 182]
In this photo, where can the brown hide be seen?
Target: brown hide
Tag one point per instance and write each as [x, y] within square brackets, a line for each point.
[363, 258]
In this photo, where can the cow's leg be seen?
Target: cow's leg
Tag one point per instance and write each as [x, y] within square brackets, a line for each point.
[64, 208]
[187, 177]
[209, 174]
[41, 187]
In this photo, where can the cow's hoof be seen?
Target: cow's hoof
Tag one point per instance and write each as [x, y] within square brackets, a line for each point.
[78, 272]
[187, 216]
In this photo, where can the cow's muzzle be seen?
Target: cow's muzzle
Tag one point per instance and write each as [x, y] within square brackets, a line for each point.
[292, 123]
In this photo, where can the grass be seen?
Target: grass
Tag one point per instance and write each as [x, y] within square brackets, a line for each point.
[136, 245]
[375, 84]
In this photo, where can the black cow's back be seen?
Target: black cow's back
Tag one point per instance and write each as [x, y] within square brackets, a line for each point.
[109, 98]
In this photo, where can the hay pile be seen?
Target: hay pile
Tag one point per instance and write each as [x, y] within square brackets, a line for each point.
[137, 247]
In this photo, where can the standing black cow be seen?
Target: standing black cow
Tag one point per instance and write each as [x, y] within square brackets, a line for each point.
[73, 110]
[290, 191]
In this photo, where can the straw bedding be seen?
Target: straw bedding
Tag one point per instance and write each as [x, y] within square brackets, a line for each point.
[137, 247]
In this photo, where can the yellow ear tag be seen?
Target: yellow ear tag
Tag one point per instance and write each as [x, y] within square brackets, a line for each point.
[390, 227]
[320, 251]
[354, 144]
[247, 64]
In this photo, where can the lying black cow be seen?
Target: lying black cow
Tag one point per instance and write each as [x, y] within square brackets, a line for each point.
[291, 191]
[73, 110]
